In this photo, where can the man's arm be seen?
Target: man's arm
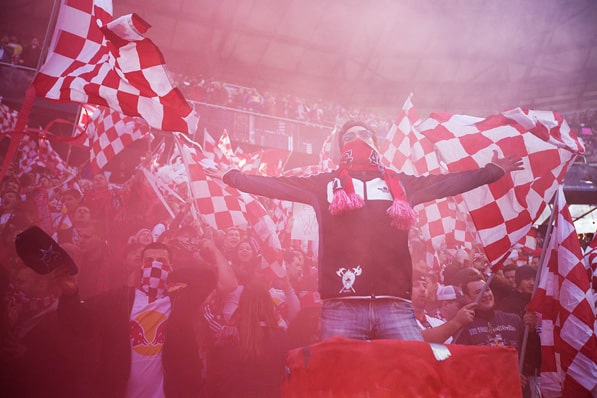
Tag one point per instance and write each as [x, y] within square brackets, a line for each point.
[441, 333]
[427, 188]
[226, 278]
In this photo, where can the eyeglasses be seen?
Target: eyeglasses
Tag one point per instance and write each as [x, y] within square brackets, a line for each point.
[351, 135]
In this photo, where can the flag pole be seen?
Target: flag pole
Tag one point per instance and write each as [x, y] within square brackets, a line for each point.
[554, 210]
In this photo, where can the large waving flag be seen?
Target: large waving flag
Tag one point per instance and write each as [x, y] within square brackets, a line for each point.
[504, 211]
[221, 206]
[563, 297]
[98, 60]
[109, 132]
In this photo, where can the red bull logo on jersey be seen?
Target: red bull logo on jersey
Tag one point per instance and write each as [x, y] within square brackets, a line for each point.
[147, 332]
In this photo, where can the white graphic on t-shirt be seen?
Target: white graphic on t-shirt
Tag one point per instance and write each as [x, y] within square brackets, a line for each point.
[348, 278]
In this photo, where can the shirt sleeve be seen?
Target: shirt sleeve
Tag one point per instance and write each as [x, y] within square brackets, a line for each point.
[426, 188]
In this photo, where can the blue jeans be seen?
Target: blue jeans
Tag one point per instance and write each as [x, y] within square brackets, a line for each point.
[369, 319]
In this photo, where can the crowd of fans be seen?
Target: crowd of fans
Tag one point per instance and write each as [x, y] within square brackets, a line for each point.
[105, 227]
[329, 113]
[22, 53]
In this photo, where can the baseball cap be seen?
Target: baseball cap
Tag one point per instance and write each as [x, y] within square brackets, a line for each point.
[41, 253]
[445, 293]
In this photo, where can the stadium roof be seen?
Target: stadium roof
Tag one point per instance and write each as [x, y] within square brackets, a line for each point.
[461, 56]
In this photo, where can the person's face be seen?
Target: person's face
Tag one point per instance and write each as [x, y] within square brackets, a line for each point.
[232, 237]
[509, 275]
[145, 237]
[487, 300]
[245, 252]
[44, 182]
[480, 264]
[295, 267]
[82, 214]
[10, 200]
[526, 285]
[160, 255]
[70, 202]
[449, 308]
[99, 182]
[358, 133]
[419, 294]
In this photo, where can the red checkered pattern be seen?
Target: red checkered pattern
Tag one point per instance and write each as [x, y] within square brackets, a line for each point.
[401, 139]
[281, 213]
[154, 280]
[213, 151]
[226, 146]
[109, 132]
[443, 222]
[8, 119]
[504, 211]
[568, 341]
[248, 162]
[221, 206]
[39, 153]
[108, 62]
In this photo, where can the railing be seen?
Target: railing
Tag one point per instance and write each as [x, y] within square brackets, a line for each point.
[262, 130]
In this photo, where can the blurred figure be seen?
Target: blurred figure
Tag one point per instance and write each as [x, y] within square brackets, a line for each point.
[255, 358]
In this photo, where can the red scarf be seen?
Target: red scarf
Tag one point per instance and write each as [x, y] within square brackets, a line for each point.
[357, 155]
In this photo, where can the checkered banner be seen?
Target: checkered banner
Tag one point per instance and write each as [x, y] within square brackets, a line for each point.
[8, 119]
[221, 206]
[109, 132]
[38, 153]
[564, 299]
[503, 212]
[99, 60]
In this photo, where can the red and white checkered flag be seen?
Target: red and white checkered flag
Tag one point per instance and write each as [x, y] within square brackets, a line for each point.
[95, 59]
[212, 151]
[34, 153]
[109, 132]
[398, 152]
[221, 206]
[504, 211]
[563, 297]
[8, 119]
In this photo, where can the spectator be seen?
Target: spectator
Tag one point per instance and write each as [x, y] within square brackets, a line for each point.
[148, 340]
[516, 303]
[256, 357]
[357, 262]
[433, 329]
[490, 327]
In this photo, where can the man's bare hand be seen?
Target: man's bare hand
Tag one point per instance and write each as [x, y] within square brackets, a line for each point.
[465, 315]
[509, 163]
[215, 172]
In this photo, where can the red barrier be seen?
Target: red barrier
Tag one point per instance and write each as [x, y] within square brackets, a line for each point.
[341, 367]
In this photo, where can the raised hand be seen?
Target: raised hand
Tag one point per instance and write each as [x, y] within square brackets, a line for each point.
[509, 163]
